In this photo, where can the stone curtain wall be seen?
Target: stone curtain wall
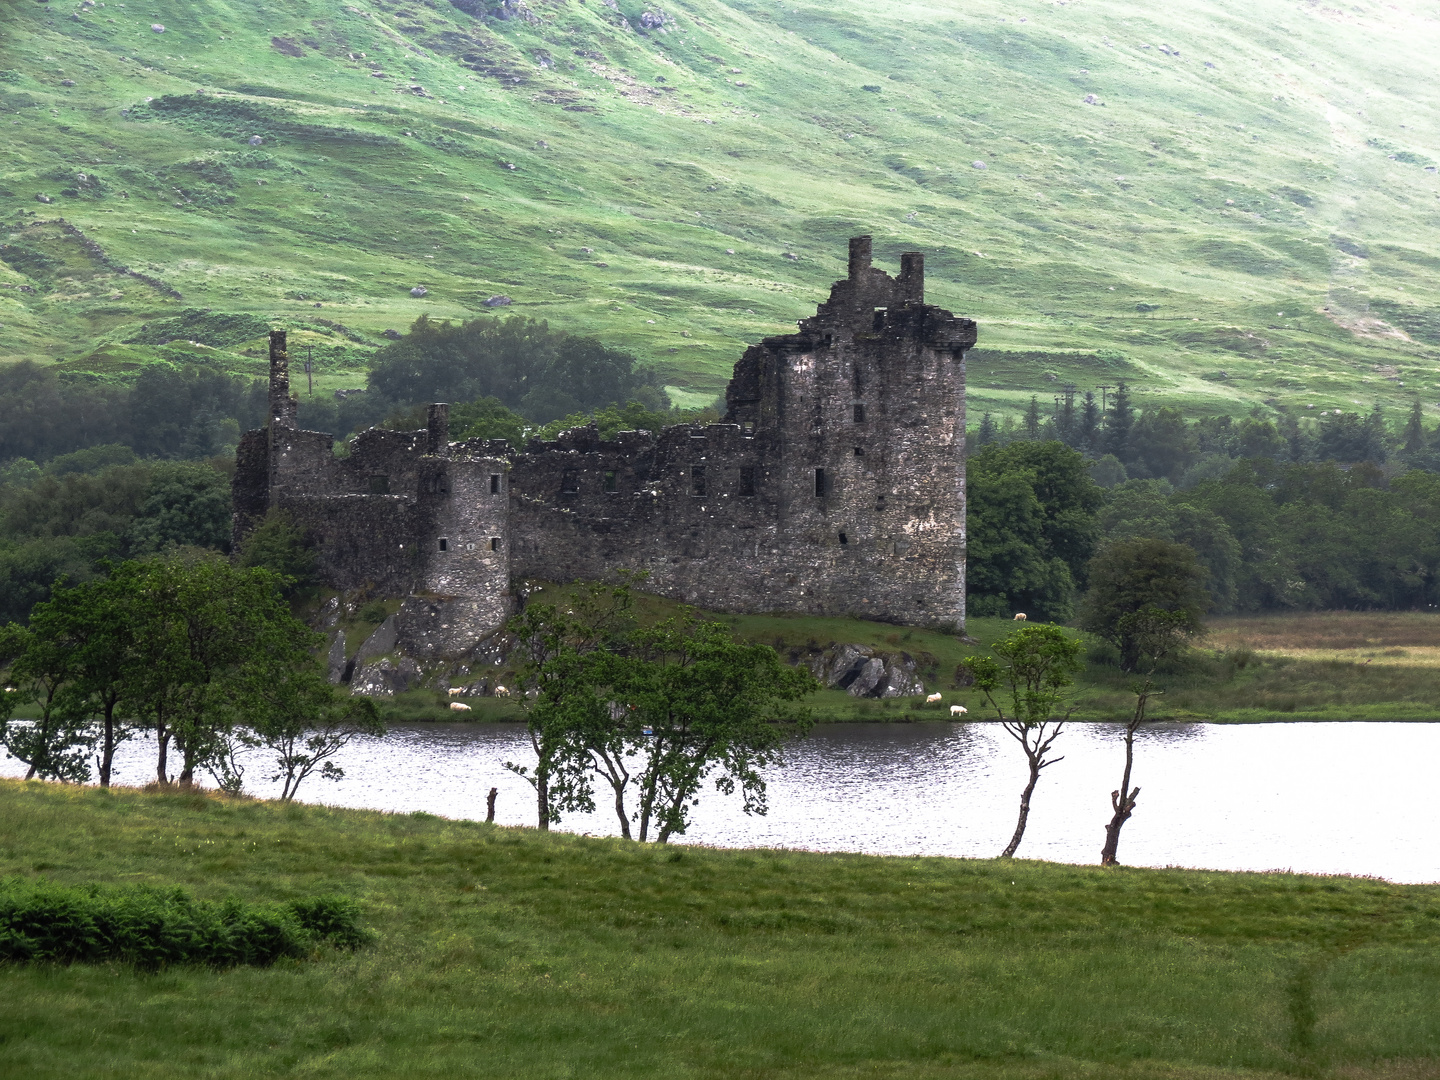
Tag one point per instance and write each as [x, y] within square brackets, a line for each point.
[836, 485]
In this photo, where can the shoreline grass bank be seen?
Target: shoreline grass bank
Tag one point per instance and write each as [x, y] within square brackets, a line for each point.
[508, 952]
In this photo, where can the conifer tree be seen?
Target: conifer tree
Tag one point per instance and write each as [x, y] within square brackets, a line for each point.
[1119, 423]
[1088, 434]
[987, 433]
[1414, 437]
[1032, 419]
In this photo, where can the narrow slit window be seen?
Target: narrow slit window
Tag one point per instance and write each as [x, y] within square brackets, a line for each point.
[747, 480]
[820, 483]
[569, 482]
[697, 481]
[444, 544]
[859, 451]
[494, 483]
[612, 481]
[859, 413]
[857, 381]
[844, 540]
[494, 543]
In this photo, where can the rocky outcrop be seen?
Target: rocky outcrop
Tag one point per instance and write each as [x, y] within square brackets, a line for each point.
[385, 677]
[335, 659]
[863, 672]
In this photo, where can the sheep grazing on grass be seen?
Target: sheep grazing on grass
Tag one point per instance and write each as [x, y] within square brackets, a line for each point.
[502, 691]
[958, 710]
[456, 691]
[1019, 616]
[459, 706]
[933, 699]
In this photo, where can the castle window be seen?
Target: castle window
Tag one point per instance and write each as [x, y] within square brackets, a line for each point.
[856, 380]
[494, 543]
[697, 481]
[844, 540]
[569, 482]
[444, 544]
[494, 483]
[859, 451]
[747, 480]
[612, 481]
[379, 485]
[859, 413]
[820, 488]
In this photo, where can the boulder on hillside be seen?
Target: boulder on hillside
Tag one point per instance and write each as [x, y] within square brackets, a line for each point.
[418, 291]
[497, 301]
[385, 677]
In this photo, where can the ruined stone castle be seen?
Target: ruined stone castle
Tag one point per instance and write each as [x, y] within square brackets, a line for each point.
[834, 485]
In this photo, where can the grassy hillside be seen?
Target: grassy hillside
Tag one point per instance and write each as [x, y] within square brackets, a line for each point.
[1246, 212]
[508, 953]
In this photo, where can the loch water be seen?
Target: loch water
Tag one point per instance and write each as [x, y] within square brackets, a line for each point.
[1352, 798]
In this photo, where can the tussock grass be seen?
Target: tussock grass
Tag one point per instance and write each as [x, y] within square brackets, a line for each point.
[1379, 632]
[506, 952]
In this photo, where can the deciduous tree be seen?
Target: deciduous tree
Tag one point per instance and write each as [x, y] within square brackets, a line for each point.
[1025, 682]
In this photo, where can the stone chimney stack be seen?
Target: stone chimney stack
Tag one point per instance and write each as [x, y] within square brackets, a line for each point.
[912, 277]
[437, 424]
[282, 405]
[859, 257]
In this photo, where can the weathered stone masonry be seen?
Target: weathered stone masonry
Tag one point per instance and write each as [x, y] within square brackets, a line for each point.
[835, 485]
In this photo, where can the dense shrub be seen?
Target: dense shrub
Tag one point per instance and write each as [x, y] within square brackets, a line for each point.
[153, 928]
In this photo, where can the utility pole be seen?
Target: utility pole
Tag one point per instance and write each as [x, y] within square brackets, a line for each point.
[309, 378]
[1103, 390]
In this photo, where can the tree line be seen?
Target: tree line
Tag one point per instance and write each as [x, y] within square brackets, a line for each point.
[1333, 513]
[204, 655]
[1162, 443]
[194, 413]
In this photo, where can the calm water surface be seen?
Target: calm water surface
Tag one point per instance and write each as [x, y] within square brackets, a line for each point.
[1323, 798]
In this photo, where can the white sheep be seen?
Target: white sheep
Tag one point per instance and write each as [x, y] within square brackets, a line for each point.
[459, 706]
[1019, 616]
[456, 691]
[958, 710]
[933, 699]
[502, 691]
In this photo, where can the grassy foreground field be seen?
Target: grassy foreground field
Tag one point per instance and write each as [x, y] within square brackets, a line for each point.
[509, 953]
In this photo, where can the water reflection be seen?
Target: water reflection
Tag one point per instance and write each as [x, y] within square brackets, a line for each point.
[1338, 798]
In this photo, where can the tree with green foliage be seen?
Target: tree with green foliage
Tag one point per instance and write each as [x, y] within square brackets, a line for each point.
[556, 645]
[186, 505]
[55, 743]
[204, 630]
[94, 624]
[1132, 577]
[293, 712]
[1087, 435]
[1161, 444]
[1033, 528]
[1032, 419]
[1025, 682]
[539, 372]
[278, 545]
[650, 711]
[695, 702]
[987, 433]
[1119, 421]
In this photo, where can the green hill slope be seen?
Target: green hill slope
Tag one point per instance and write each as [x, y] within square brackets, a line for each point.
[1245, 209]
